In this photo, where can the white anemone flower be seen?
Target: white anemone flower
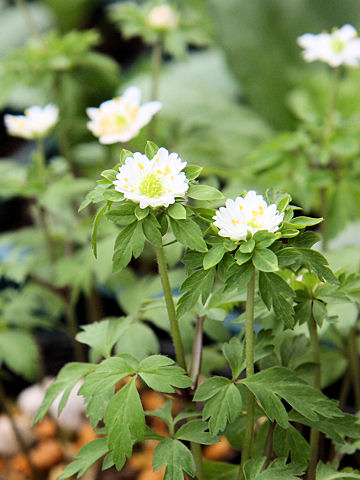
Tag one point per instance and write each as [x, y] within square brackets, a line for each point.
[163, 17]
[247, 214]
[35, 123]
[340, 47]
[120, 119]
[152, 183]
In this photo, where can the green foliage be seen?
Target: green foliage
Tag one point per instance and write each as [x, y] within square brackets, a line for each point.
[19, 352]
[161, 374]
[176, 457]
[277, 470]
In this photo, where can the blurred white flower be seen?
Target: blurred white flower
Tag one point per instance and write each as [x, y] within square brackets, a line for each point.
[35, 123]
[9, 445]
[340, 47]
[156, 182]
[30, 399]
[73, 414]
[120, 119]
[247, 214]
[163, 17]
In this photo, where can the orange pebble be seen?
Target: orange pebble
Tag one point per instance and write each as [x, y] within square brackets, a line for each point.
[86, 434]
[149, 474]
[47, 454]
[219, 451]
[159, 426]
[45, 429]
[152, 400]
[20, 464]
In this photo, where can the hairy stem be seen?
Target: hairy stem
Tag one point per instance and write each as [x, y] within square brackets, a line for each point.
[197, 455]
[249, 356]
[314, 434]
[354, 365]
[196, 356]
[26, 14]
[174, 326]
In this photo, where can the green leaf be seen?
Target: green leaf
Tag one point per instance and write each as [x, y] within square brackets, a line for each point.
[129, 242]
[264, 239]
[19, 351]
[204, 192]
[123, 214]
[102, 336]
[125, 422]
[276, 293]
[290, 441]
[198, 284]
[242, 258]
[177, 211]
[151, 149]
[276, 383]
[213, 257]
[113, 195]
[220, 471]
[189, 234]
[265, 260]
[327, 472]
[195, 431]
[234, 354]
[162, 374]
[85, 458]
[97, 219]
[239, 276]
[152, 231]
[124, 155]
[64, 383]
[176, 457]
[141, 213]
[129, 341]
[277, 470]
[192, 171]
[303, 222]
[109, 175]
[247, 247]
[222, 402]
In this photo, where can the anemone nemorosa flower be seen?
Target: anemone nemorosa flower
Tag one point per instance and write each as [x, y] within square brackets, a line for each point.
[340, 47]
[163, 17]
[35, 122]
[152, 182]
[247, 214]
[121, 119]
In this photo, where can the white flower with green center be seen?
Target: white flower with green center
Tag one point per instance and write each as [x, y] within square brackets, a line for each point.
[340, 47]
[152, 182]
[121, 119]
[35, 123]
[163, 17]
[247, 214]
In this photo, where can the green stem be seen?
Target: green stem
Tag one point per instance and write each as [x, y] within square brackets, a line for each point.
[268, 450]
[73, 330]
[314, 433]
[249, 356]
[156, 62]
[329, 119]
[41, 160]
[31, 25]
[197, 455]
[354, 365]
[174, 326]
[196, 356]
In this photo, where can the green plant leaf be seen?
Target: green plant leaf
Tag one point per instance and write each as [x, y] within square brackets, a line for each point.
[222, 402]
[327, 472]
[195, 431]
[64, 383]
[97, 219]
[152, 230]
[177, 211]
[213, 256]
[265, 260]
[234, 354]
[102, 336]
[290, 441]
[122, 214]
[198, 284]
[276, 293]
[192, 171]
[162, 374]
[151, 149]
[189, 234]
[19, 351]
[175, 457]
[247, 247]
[220, 471]
[125, 422]
[204, 192]
[129, 242]
[277, 470]
[276, 383]
[141, 213]
[85, 458]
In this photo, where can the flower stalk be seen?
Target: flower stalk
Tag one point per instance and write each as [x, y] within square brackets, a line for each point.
[249, 356]
[354, 364]
[174, 326]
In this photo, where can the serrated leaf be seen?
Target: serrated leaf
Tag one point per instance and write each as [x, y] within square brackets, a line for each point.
[220, 471]
[189, 234]
[122, 214]
[213, 257]
[125, 422]
[175, 457]
[162, 374]
[276, 383]
[234, 354]
[222, 402]
[85, 458]
[276, 293]
[64, 383]
[198, 284]
[97, 219]
[195, 431]
[152, 231]
[129, 242]
[277, 470]
[291, 442]
[327, 472]
[204, 192]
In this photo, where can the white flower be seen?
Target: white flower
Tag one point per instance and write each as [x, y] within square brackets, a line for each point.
[120, 119]
[248, 214]
[35, 123]
[163, 17]
[340, 47]
[154, 182]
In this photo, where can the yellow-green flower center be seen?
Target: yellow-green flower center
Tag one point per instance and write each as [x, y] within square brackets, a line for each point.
[151, 186]
[337, 45]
